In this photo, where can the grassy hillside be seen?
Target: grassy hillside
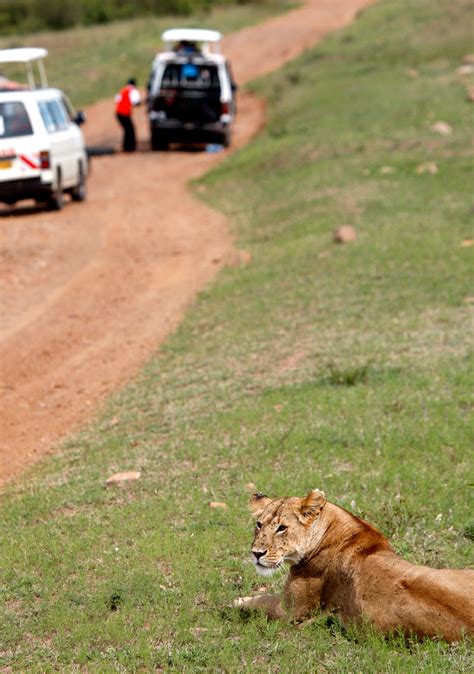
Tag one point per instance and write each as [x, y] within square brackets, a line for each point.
[345, 367]
[91, 63]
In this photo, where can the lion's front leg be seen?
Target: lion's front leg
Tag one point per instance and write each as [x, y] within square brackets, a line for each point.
[270, 604]
[302, 596]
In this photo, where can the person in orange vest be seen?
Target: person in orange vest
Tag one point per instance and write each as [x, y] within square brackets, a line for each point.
[125, 100]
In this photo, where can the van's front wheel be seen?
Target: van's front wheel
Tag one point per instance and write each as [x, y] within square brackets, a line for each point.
[56, 200]
[79, 192]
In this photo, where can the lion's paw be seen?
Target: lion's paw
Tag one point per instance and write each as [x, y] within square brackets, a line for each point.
[242, 602]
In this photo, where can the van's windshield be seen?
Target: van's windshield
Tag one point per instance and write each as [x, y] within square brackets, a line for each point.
[191, 76]
[14, 120]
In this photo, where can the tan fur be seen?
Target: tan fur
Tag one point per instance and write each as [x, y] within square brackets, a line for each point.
[340, 563]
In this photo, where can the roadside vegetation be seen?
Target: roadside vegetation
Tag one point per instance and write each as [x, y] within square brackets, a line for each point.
[343, 367]
[24, 16]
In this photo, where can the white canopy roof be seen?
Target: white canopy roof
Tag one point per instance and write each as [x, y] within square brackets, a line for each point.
[22, 55]
[191, 35]
[204, 38]
[27, 55]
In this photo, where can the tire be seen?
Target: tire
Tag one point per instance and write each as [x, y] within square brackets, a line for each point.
[56, 200]
[158, 142]
[227, 138]
[79, 192]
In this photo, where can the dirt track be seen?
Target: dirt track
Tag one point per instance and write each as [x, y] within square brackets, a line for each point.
[89, 293]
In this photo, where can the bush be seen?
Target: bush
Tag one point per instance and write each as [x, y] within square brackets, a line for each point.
[21, 16]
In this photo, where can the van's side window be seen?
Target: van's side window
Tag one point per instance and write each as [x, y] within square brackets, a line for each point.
[46, 116]
[59, 114]
[54, 115]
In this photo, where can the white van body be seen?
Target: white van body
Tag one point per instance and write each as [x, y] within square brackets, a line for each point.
[196, 108]
[42, 149]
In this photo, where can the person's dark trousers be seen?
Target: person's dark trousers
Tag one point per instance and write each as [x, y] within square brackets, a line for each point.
[129, 141]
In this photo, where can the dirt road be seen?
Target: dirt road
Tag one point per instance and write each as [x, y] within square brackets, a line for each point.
[89, 293]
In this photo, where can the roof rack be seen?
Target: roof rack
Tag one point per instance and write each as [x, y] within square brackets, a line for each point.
[205, 38]
[27, 56]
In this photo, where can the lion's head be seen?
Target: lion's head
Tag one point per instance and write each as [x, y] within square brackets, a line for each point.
[282, 530]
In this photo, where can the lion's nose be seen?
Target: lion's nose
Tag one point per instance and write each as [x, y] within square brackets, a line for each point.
[258, 553]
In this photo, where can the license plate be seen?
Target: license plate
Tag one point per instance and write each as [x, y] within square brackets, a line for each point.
[5, 163]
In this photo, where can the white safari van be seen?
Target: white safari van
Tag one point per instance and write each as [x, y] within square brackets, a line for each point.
[42, 149]
[191, 91]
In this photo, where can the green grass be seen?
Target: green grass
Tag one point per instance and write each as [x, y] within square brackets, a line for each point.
[347, 368]
[90, 63]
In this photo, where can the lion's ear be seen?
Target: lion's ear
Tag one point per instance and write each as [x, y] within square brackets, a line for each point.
[258, 503]
[311, 505]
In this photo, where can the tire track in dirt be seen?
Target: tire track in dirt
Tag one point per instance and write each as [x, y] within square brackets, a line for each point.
[89, 293]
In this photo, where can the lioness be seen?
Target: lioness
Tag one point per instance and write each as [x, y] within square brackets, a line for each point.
[340, 563]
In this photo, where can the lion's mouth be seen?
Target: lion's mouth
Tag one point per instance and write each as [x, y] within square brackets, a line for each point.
[267, 570]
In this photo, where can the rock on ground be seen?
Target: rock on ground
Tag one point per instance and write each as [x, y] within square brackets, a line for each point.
[344, 234]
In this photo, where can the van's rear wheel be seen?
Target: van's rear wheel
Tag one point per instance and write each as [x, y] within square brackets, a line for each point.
[56, 200]
[79, 192]
[158, 142]
[227, 138]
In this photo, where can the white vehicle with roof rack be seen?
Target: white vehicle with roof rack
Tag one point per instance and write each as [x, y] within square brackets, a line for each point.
[191, 91]
[42, 149]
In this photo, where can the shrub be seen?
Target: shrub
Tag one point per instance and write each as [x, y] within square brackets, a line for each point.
[21, 16]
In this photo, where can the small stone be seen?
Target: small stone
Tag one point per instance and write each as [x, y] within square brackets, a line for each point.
[198, 630]
[250, 487]
[443, 128]
[387, 170]
[468, 58]
[467, 243]
[427, 167]
[468, 300]
[344, 234]
[412, 73]
[122, 478]
[218, 504]
[470, 94]
[466, 69]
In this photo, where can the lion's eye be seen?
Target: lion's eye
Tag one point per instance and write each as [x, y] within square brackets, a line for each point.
[258, 525]
[282, 528]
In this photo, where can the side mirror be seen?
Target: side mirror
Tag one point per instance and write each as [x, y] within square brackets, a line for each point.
[80, 118]
[234, 86]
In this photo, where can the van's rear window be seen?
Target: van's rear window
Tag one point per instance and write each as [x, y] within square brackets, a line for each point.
[14, 120]
[191, 75]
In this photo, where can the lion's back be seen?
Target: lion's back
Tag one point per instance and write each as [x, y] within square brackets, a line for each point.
[420, 599]
[450, 588]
